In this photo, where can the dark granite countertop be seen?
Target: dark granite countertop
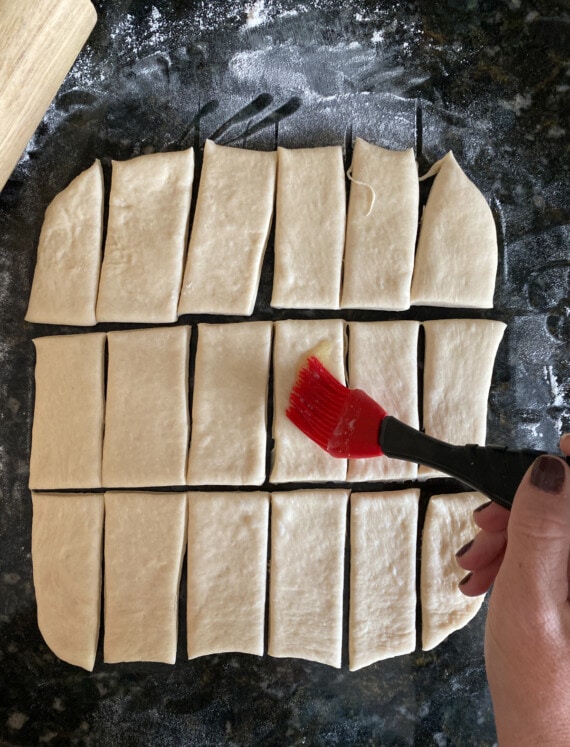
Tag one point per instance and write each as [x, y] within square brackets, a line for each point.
[486, 79]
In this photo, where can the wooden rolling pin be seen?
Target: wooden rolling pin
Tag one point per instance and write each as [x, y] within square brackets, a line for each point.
[39, 41]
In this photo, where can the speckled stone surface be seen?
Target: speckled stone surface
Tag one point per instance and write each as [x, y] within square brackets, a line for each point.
[486, 79]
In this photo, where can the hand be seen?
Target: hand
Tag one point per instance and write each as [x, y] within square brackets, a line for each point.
[526, 553]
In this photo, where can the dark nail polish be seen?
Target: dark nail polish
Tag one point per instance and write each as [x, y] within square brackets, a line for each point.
[464, 549]
[480, 508]
[465, 579]
[548, 474]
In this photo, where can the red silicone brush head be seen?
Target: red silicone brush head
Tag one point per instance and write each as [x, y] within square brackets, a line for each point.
[345, 422]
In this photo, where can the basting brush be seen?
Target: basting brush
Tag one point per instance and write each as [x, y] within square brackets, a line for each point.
[349, 424]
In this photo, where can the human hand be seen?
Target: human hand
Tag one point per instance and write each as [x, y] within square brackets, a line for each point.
[526, 553]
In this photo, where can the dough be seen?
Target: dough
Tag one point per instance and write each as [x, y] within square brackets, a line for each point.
[67, 533]
[146, 417]
[64, 290]
[296, 458]
[67, 431]
[145, 540]
[230, 231]
[149, 208]
[381, 228]
[383, 533]
[459, 359]
[229, 409]
[309, 228]
[383, 361]
[227, 569]
[448, 526]
[307, 574]
[456, 259]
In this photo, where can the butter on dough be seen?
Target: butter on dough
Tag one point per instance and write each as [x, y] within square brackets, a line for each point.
[295, 457]
[229, 409]
[306, 574]
[145, 541]
[381, 228]
[458, 366]
[146, 414]
[227, 569]
[67, 534]
[383, 533]
[309, 228]
[67, 431]
[230, 231]
[149, 210]
[66, 278]
[448, 526]
[456, 259]
[383, 362]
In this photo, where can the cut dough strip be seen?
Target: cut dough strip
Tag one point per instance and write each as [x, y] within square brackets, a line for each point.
[67, 533]
[383, 534]
[380, 239]
[66, 278]
[146, 416]
[306, 574]
[67, 431]
[456, 260]
[448, 525]
[230, 231]
[229, 409]
[309, 228]
[227, 569]
[383, 362]
[149, 210]
[145, 540]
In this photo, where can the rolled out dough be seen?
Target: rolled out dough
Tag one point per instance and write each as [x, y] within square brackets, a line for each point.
[306, 574]
[227, 569]
[149, 210]
[229, 409]
[383, 533]
[67, 534]
[146, 415]
[456, 259]
[383, 361]
[448, 525]
[145, 541]
[66, 278]
[230, 231]
[309, 228]
[295, 457]
[67, 431]
[381, 228]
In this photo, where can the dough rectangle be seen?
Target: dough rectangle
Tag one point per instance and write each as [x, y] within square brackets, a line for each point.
[67, 431]
[295, 456]
[145, 540]
[146, 417]
[227, 569]
[309, 228]
[383, 533]
[230, 231]
[229, 408]
[383, 362]
[149, 210]
[307, 574]
[67, 535]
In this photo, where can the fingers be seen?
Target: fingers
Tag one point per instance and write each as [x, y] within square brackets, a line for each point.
[479, 581]
[565, 444]
[482, 550]
[491, 517]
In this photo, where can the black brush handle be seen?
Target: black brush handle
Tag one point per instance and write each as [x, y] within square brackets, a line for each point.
[495, 471]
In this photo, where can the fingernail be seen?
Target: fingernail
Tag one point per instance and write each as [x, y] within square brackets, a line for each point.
[464, 549]
[466, 579]
[547, 474]
[476, 511]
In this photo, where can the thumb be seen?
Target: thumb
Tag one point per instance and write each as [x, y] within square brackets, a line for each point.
[538, 547]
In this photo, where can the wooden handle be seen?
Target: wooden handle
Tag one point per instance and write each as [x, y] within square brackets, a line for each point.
[39, 41]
